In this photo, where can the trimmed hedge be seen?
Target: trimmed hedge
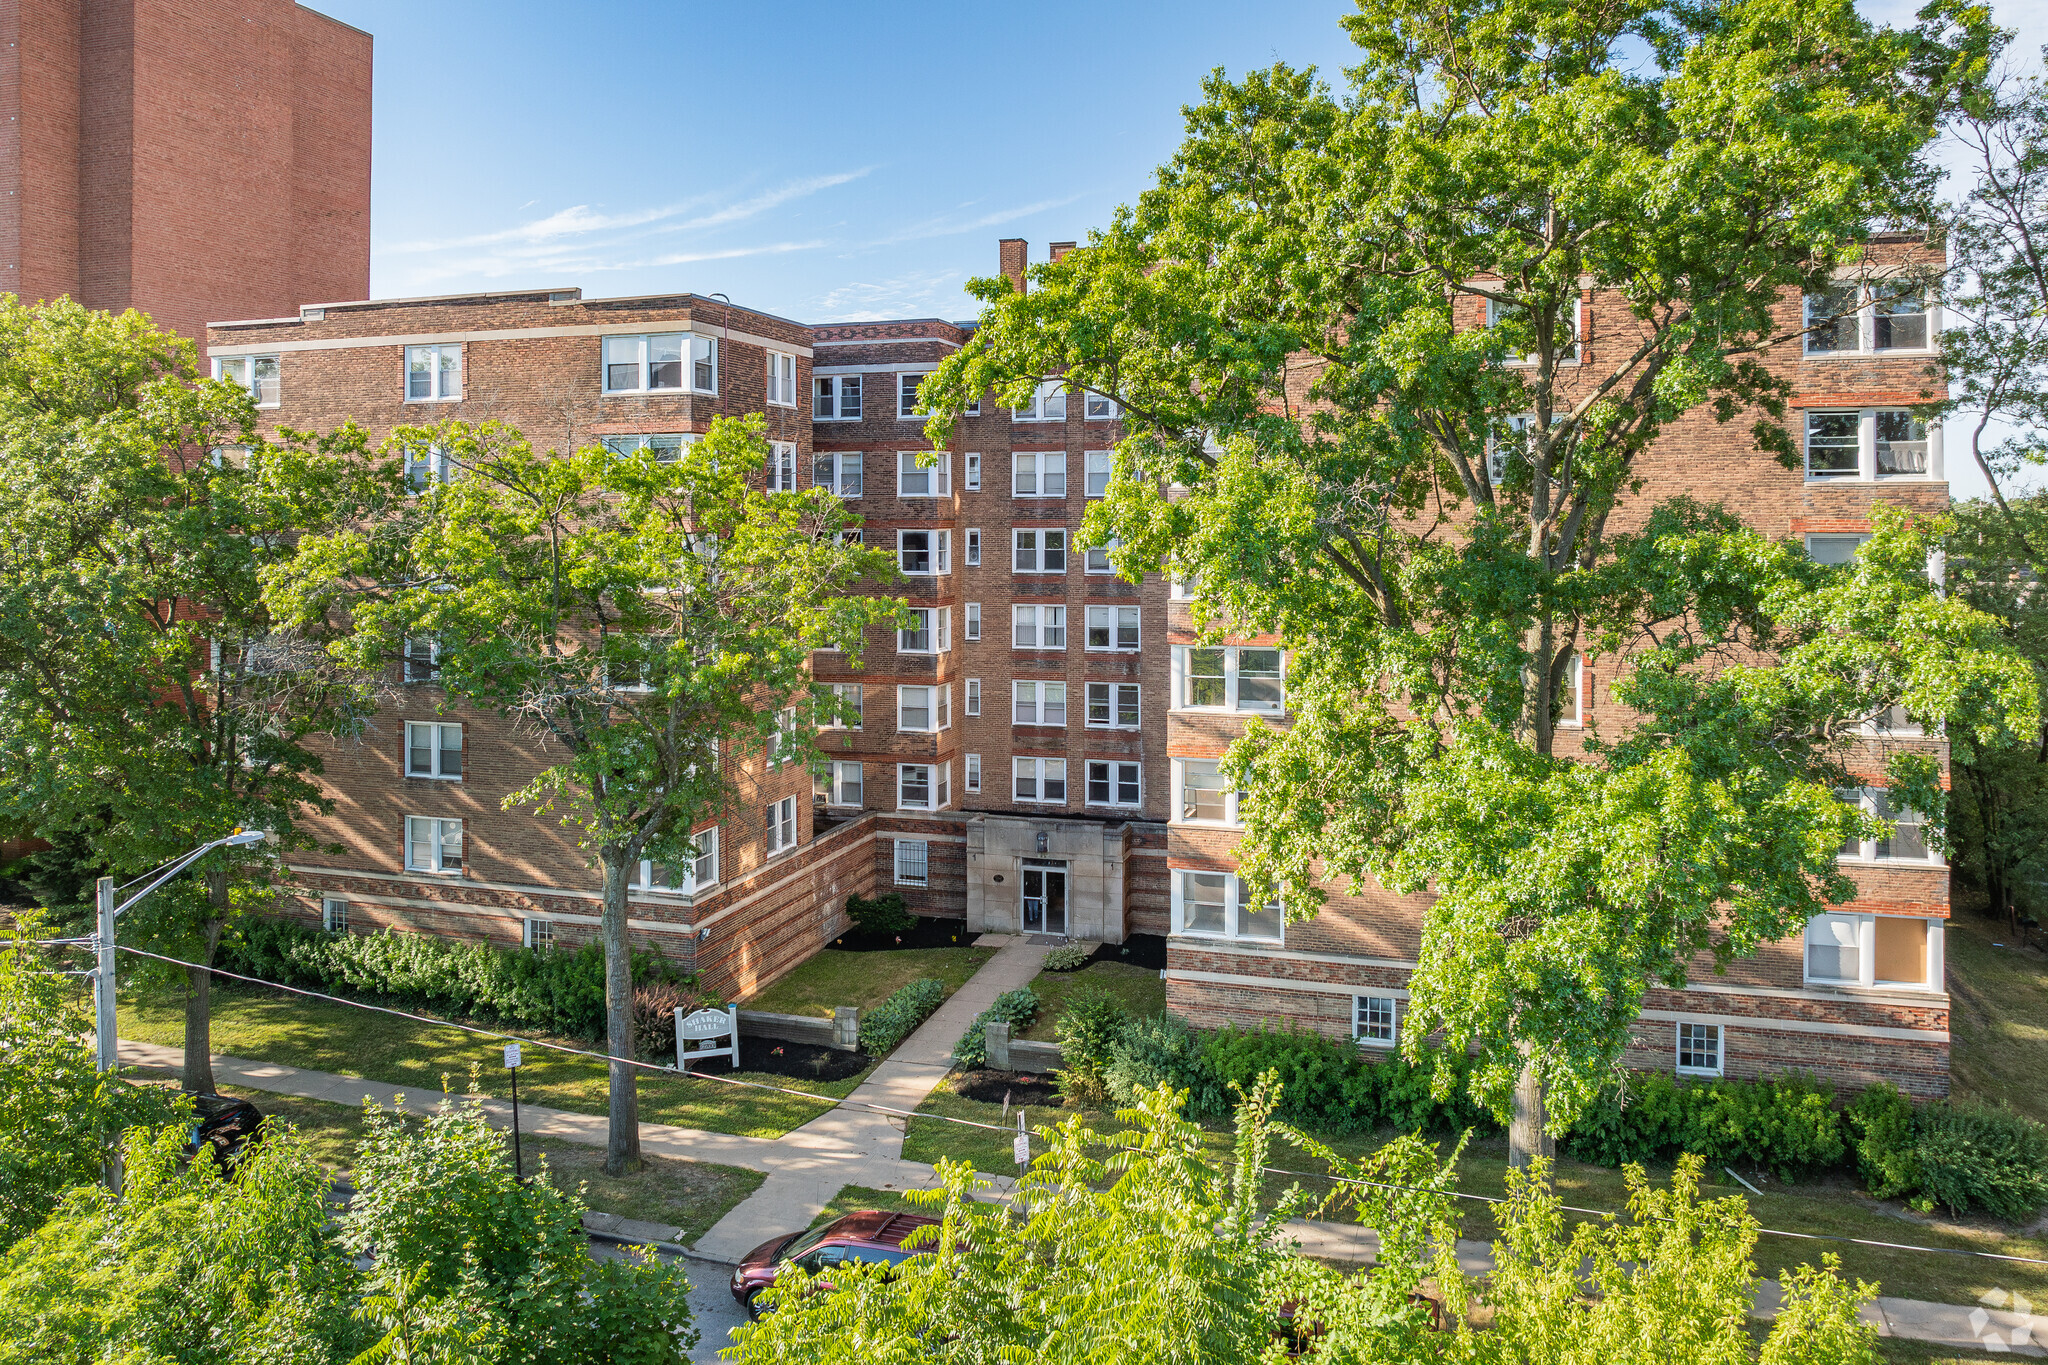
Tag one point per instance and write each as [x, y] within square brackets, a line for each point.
[556, 991]
[1787, 1124]
[1016, 1008]
[896, 1018]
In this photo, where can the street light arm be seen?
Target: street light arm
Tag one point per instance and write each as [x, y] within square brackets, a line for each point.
[235, 840]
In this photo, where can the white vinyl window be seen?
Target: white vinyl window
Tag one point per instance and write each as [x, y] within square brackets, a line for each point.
[1180, 587]
[1567, 346]
[906, 393]
[1102, 408]
[974, 696]
[1038, 474]
[1100, 463]
[1114, 784]
[925, 553]
[1833, 549]
[974, 620]
[1892, 951]
[1572, 702]
[1907, 839]
[1882, 317]
[334, 914]
[1375, 1019]
[693, 874]
[1203, 796]
[1037, 627]
[537, 933]
[848, 695]
[1113, 628]
[924, 708]
[781, 380]
[1212, 905]
[913, 862]
[1042, 780]
[915, 480]
[974, 772]
[1038, 550]
[256, 373]
[666, 446]
[1112, 706]
[930, 631]
[782, 467]
[787, 734]
[421, 659]
[840, 783]
[835, 397]
[426, 466]
[974, 545]
[1038, 703]
[1048, 403]
[781, 825]
[922, 786]
[1869, 443]
[433, 845]
[974, 470]
[661, 362]
[838, 472]
[1699, 1049]
[433, 373]
[1097, 558]
[1501, 445]
[1230, 678]
[433, 750]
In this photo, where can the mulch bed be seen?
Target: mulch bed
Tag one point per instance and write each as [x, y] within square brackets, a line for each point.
[1139, 950]
[801, 1061]
[928, 932]
[988, 1086]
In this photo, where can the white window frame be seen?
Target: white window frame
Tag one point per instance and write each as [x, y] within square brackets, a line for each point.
[1112, 618]
[1042, 549]
[907, 382]
[1233, 894]
[334, 914]
[1045, 618]
[1041, 773]
[782, 466]
[786, 745]
[1032, 706]
[1099, 407]
[696, 351]
[1048, 403]
[937, 476]
[973, 775]
[436, 355]
[974, 696]
[838, 790]
[252, 376]
[936, 625]
[1112, 696]
[1114, 777]
[419, 660]
[1703, 1038]
[1833, 539]
[921, 861]
[1571, 355]
[852, 694]
[938, 707]
[1574, 716]
[667, 445]
[1232, 702]
[1038, 474]
[1182, 768]
[1097, 464]
[537, 931]
[1872, 801]
[1095, 559]
[426, 468]
[781, 379]
[841, 471]
[833, 388]
[1866, 295]
[938, 552]
[437, 751]
[1366, 1021]
[431, 833]
[702, 867]
[783, 833]
[974, 620]
[1872, 449]
[1863, 928]
[973, 471]
[937, 784]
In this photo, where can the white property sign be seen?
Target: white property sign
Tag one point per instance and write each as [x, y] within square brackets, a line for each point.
[705, 1028]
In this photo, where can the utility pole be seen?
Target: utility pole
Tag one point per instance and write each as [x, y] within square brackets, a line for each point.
[105, 1030]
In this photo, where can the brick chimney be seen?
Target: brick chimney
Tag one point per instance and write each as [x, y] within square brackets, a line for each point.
[1060, 249]
[1014, 252]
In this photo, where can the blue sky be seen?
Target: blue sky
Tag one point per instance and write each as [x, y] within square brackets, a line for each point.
[834, 162]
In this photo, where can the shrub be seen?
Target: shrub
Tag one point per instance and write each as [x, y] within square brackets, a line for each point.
[1787, 1124]
[882, 915]
[1068, 957]
[1324, 1083]
[896, 1018]
[1880, 1124]
[654, 1016]
[1974, 1155]
[1016, 1008]
[1159, 1050]
[1087, 1033]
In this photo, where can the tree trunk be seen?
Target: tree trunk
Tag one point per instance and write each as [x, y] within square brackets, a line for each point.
[197, 1075]
[622, 1151]
[1526, 1138]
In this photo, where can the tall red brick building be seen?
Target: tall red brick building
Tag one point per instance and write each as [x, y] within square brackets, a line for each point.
[190, 162]
[1037, 751]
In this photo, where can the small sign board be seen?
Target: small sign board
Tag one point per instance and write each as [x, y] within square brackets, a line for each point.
[511, 1054]
[699, 1035]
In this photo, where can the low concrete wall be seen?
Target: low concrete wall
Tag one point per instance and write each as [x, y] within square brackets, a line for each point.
[841, 1031]
[1015, 1054]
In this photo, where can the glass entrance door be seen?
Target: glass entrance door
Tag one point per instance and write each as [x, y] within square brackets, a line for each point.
[1045, 896]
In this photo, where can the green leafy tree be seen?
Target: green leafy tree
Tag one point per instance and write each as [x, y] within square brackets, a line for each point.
[473, 1263]
[60, 1115]
[648, 617]
[1355, 337]
[146, 703]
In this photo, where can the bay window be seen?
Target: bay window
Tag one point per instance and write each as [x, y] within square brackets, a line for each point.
[1229, 678]
[1214, 905]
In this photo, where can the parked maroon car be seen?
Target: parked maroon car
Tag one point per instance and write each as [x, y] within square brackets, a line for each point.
[873, 1238]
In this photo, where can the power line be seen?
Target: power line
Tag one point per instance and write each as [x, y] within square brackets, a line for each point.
[831, 1102]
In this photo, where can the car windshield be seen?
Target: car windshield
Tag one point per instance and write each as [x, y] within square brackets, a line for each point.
[802, 1242]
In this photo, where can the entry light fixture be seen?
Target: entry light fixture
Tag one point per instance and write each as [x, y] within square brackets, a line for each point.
[1041, 841]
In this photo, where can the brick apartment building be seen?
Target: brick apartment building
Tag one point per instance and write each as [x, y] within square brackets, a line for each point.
[155, 157]
[1038, 750]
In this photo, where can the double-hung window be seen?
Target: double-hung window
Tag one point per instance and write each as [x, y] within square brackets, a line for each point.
[433, 373]
[973, 471]
[1102, 408]
[837, 473]
[692, 874]
[847, 713]
[334, 914]
[919, 480]
[1113, 706]
[537, 933]
[835, 397]
[781, 825]
[421, 659]
[974, 696]
[1214, 905]
[974, 620]
[973, 777]
[660, 362]
[1205, 796]
[1114, 784]
[1845, 949]
[906, 394]
[923, 786]
[782, 466]
[1566, 344]
[1230, 678]
[1097, 558]
[433, 845]
[930, 631]
[1699, 1049]
[840, 784]
[1906, 837]
[256, 373]
[1375, 1020]
[1039, 779]
[1571, 699]
[913, 862]
[1512, 440]
[787, 737]
[433, 750]
[426, 466]
[1099, 465]
[974, 545]
[1038, 474]
[1048, 403]
[1038, 703]
[926, 553]
[1038, 627]
[667, 446]
[1113, 628]
[1038, 550]
[781, 380]
[1867, 443]
[924, 707]
[1881, 317]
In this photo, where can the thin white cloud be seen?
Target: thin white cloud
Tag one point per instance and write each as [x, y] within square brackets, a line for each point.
[918, 294]
[947, 225]
[761, 203]
[571, 221]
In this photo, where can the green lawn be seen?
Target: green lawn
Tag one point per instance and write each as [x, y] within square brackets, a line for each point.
[1140, 989]
[320, 1036]
[864, 980]
[688, 1196]
[1998, 1016]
